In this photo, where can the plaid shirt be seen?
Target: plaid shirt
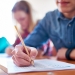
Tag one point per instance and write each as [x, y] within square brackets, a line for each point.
[47, 48]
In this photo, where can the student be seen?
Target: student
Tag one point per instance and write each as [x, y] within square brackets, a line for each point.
[22, 13]
[59, 26]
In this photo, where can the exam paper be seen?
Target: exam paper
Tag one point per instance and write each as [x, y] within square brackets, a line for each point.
[40, 65]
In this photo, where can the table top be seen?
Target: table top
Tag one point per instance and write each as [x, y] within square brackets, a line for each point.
[3, 71]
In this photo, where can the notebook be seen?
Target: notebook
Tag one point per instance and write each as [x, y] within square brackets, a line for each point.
[40, 65]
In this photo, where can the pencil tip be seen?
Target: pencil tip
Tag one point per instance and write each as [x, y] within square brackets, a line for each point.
[32, 62]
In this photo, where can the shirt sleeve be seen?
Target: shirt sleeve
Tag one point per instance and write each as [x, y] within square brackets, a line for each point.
[17, 41]
[3, 44]
[39, 34]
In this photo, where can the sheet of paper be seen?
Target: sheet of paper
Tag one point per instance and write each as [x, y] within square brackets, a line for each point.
[3, 55]
[4, 59]
[40, 65]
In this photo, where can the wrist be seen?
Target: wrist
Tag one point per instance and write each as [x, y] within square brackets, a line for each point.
[72, 55]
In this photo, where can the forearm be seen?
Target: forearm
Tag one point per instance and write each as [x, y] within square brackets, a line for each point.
[62, 54]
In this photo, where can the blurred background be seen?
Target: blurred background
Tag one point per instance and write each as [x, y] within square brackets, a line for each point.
[41, 7]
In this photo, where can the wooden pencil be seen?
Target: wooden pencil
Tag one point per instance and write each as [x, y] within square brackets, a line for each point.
[32, 62]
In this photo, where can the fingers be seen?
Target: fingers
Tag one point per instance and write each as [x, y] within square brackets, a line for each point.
[20, 57]
[19, 47]
[9, 51]
[20, 62]
[21, 54]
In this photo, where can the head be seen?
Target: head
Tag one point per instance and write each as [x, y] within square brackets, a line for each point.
[66, 6]
[22, 14]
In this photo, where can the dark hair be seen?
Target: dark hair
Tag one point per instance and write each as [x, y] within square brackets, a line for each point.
[22, 5]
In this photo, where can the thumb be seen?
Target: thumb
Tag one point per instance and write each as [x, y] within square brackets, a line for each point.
[33, 52]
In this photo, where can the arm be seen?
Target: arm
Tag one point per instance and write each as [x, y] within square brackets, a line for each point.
[39, 35]
[61, 54]
[9, 49]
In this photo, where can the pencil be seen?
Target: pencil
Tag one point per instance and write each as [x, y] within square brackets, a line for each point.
[32, 62]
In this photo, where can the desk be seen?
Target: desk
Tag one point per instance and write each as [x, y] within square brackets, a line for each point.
[2, 72]
[65, 72]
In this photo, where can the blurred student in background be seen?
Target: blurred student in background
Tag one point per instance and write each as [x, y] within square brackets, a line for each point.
[22, 13]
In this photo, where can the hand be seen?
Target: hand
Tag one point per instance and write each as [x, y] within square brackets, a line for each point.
[20, 58]
[61, 53]
[9, 50]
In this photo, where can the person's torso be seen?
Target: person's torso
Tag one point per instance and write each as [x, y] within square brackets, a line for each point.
[61, 30]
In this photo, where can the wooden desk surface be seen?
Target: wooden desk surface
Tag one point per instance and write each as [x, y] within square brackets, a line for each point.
[65, 72]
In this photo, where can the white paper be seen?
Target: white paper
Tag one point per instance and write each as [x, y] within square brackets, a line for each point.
[3, 55]
[3, 59]
[40, 65]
